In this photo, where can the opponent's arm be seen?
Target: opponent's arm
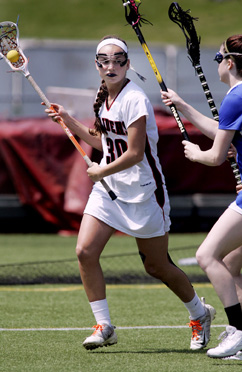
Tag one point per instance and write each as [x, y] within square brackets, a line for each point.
[206, 125]
[214, 156]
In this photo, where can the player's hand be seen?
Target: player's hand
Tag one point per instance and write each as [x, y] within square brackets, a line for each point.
[191, 150]
[170, 97]
[95, 172]
[238, 188]
[56, 112]
[232, 153]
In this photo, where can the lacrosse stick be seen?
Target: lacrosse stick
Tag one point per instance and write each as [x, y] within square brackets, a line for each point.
[185, 21]
[134, 19]
[9, 41]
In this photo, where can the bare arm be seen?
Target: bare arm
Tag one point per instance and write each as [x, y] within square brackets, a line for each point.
[133, 155]
[74, 125]
[206, 125]
[214, 156]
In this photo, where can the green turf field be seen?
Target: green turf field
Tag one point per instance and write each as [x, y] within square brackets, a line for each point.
[41, 258]
[79, 19]
[42, 328]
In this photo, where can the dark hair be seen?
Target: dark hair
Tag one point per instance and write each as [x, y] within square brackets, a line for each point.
[101, 97]
[234, 45]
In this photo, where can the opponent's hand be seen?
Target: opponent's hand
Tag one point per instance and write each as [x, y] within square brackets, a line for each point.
[238, 188]
[232, 152]
[170, 97]
[95, 172]
[191, 150]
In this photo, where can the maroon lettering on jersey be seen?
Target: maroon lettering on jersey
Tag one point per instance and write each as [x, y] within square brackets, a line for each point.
[117, 127]
[112, 126]
[106, 124]
[120, 127]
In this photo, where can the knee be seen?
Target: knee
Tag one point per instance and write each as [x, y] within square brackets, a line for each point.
[151, 270]
[160, 269]
[202, 260]
[82, 253]
[156, 271]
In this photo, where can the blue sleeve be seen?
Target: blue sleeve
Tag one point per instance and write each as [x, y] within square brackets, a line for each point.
[230, 113]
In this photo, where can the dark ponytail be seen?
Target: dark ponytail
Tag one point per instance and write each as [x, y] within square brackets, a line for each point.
[101, 97]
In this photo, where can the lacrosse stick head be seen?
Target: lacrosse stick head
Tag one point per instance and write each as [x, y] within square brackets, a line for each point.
[185, 21]
[133, 16]
[9, 40]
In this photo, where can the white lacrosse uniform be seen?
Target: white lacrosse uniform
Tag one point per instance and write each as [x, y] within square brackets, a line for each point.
[142, 206]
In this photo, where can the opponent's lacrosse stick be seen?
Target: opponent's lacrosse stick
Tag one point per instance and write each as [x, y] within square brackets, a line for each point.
[9, 41]
[134, 19]
[185, 21]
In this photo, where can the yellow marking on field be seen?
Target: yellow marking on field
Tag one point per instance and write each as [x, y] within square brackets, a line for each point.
[71, 288]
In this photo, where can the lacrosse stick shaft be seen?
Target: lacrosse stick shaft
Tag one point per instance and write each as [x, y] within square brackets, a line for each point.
[185, 21]
[215, 114]
[160, 81]
[69, 134]
[207, 91]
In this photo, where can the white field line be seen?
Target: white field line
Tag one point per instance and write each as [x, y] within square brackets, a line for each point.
[86, 329]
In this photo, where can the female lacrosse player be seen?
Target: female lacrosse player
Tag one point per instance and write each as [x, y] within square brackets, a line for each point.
[125, 130]
[226, 234]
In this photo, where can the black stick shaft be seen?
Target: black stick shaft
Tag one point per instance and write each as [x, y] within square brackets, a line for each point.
[161, 82]
[215, 114]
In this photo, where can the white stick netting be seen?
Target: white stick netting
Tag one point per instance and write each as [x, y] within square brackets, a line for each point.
[9, 41]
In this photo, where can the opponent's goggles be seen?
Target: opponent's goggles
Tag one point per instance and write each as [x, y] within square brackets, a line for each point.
[103, 60]
[219, 56]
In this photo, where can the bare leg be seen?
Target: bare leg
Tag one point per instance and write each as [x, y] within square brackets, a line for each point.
[233, 261]
[92, 238]
[225, 236]
[158, 265]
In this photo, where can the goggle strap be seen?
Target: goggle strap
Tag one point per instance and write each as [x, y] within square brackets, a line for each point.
[139, 75]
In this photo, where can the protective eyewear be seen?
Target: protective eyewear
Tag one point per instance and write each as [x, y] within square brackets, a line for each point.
[219, 57]
[117, 59]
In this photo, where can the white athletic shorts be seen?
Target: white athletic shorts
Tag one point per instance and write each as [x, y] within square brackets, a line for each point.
[237, 204]
[235, 207]
[141, 220]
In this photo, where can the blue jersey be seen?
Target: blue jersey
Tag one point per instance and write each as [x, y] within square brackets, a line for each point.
[230, 118]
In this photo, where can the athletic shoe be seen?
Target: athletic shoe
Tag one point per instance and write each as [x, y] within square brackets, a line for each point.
[237, 356]
[201, 327]
[231, 343]
[103, 335]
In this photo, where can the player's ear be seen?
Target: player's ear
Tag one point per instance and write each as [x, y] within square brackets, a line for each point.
[128, 64]
[230, 63]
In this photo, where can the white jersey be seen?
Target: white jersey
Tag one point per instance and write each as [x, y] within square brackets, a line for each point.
[137, 183]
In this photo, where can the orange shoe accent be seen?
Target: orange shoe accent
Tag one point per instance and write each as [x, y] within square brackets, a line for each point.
[196, 327]
[97, 328]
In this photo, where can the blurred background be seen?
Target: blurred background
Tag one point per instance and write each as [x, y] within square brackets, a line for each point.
[43, 183]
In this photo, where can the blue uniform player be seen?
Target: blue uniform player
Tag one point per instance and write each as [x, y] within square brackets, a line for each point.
[220, 253]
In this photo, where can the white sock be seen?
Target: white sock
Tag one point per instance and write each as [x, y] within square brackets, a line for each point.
[101, 312]
[195, 308]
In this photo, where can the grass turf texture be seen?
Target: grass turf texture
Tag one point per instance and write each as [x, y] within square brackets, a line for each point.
[130, 306]
[52, 256]
[87, 20]
[66, 306]
[21, 248]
